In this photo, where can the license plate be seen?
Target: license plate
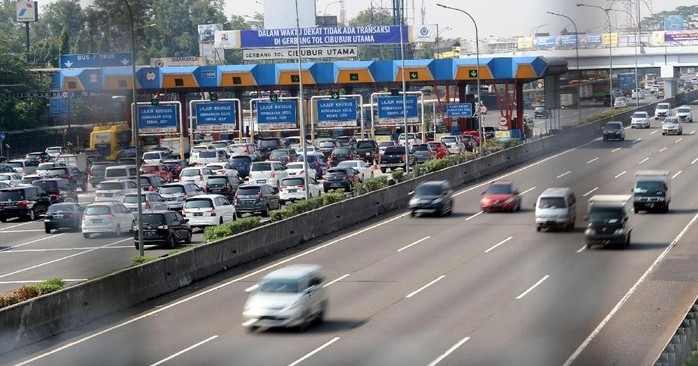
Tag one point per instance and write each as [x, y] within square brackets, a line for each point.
[57, 216]
[248, 202]
[261, 181]
[97, 221]
[198, 213]
[292, 190]
[108, 194]
[368, 154]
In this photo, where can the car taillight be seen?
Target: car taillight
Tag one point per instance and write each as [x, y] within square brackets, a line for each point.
[273, 175]
[163, 227]
[55, 196]
[112, 216]
[147, 204]
[249, 175]
[302, 186]
[402, 157]
[66, 176]
[119, 193]
[185, 196]
[70, 216]
[84, 216]
[213, 212]
[260, 196]
[22, 204]
[346, 177]
[235, 197]
[282, 187]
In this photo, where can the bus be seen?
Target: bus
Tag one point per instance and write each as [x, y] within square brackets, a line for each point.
[108, 140]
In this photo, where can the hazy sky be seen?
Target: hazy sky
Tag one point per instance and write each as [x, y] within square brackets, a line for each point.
[494, 17]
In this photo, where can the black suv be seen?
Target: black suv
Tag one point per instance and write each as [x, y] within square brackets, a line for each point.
[613, 130]
[164, 227]
[256, 198]
[23, 202]
[225, 185]
[368, 150]
[73, 174]
[58, 189]
[267, 145]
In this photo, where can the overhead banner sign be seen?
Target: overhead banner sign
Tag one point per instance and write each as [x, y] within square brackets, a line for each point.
[325, 36]
[155, 119]
[390, 109]
[96, 60]
[459, 110]
[215, 116]
[177, 61]
[336, 113]
[307, 53]
[679, 36]
[281, 115]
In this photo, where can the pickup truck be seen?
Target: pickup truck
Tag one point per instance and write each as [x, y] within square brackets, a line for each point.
[394, 157]
[367, 150]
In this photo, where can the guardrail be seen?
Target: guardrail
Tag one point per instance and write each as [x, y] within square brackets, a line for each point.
[42, 317]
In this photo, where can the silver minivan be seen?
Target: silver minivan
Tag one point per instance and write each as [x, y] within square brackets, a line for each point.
[556, 207]
[120, 172]
[294, 296]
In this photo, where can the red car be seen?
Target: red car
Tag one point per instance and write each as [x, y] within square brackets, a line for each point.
[440, 148]
[475, 135]
[501, 196]
[158, 169]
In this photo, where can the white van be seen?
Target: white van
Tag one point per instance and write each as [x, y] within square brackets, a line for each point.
[556, 207]
[294, 296]
[154, 157]
[120, 172]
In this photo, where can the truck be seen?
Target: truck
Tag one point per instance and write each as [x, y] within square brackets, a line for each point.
[609, 220]
[626, 82]
[652, 190]
[175, 145]
[77, 160]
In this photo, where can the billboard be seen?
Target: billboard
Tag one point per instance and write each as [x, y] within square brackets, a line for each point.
[673, 22]
[681, 36]
[207, 35]
[306, 53]
[282, 13]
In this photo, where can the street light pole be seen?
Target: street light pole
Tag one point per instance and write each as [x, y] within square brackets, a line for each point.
[637, 44]
[438, 39]
[579, 72]
[134, 125]
[300, 107]
[536, 28]
[610, 47]
[477, 57]
[404, 100]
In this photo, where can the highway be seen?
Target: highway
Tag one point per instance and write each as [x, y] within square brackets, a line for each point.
[469, 289]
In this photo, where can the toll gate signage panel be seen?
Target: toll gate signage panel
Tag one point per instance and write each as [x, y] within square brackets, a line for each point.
[390, 109]
[215, 116]
[157, 119]
[336, 113]
[459, 110]
[277, 115]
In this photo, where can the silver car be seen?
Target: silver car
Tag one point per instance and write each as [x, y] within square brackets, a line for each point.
[176, 193]
[150, 201]
[672, 126]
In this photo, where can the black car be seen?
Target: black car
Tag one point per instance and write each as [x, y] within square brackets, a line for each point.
[346, 141]
[164, 227]
[341, 154]
[394, 157]
[175, 166]
[340, 178]
[489, 132]
[96, 172]
[57, 189]
[434, 197]
[73, 174]
[613, 130]
[151, 182]
[225, 185]
[367, 150]
[241, 163]
[326, 147]
[23, 202]
[63, 215]
[540, 112]
[256, 198]
[284, 156]
[267, 145]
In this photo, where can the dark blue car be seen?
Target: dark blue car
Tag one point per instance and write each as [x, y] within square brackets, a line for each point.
[241, 163]
[316, 161]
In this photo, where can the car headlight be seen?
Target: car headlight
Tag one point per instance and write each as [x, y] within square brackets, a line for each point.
[660, 198]
[619, 231]
[485, 201]
[509, 200]
[413, 201]
[437, 201]
[590, 231]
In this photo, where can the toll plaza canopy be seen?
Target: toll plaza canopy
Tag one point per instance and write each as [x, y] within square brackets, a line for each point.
[498, 70]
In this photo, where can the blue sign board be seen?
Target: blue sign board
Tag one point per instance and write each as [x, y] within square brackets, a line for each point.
[544, 41]
[215, 116]
[59, 106]
[157, 118]
[626, 81]
[88, 60]
[2, 136]
[390, 109]
[336, 113]
[323, 36]
[459, 110]
[674, 22]
[279, 115]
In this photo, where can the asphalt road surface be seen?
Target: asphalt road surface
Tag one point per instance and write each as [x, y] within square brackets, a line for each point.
[469, 289]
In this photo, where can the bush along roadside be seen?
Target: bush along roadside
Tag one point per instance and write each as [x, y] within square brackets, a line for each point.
[25, 293]
[371, 184]
[231, 228]
[299, 207]
[611, 113]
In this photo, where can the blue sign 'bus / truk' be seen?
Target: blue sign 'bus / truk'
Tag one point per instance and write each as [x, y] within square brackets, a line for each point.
[157, 119]
[215, 116]
[336, 113]
[390, 109]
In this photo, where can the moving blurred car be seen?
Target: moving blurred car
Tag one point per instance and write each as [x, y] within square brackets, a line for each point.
[540, 112]
[106, 218]
[662, 110]
[501, 196]
[432, 197]
[66, 215]
[164, 227]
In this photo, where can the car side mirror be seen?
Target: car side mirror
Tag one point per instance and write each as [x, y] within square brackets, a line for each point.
[586, 218]
[185, 221]
[410, 193]
[625, 219]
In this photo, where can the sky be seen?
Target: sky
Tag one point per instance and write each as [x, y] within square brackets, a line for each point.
[497, 18]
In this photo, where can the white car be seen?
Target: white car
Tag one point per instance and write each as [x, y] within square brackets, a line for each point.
[194, 152]
[365, 169]
[154, 157]
[454, 143]
[114, 190]
[637, 94]
[209, 156]
[640, 120]
[54, 151]
[672, 126]
[309, 149]
[412, 139]
[106, 218]
[267, 172]
[43, 168]
[196, 175]
[150, 202]
[294, 188]
[295, 169]
[208, 210]
[684, 113]
[662, 110]
[11, 179]
[23, 167]
[223, 169]
[620, 102]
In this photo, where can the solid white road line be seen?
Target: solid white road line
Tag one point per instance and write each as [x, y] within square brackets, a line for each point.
[294, 363]
[335, 281]
[473, 216]
[415, 243]
[694, 161]
[621, 173]
[526, 191]
[692, 132]
[17, 225]
[677, 174]
[564, 174]
[61, 259]
[581, 249]
[66, 249]
[638, 140]
[21, 231]
[39, 281]
[450, 350]
[184, 350]
[590, 192]
[629, 293]
[653, 132]
[31, 242]
[592, 160]
[662, 149]
[425, 286]
[252, 288]
[498, 244]
[643, 160]
[532, 287]
[616, 149]
[677, 140]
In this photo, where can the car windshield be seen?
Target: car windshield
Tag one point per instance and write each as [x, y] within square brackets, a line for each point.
[420, 148]
[327, 144]
[395, 150]
[153, 219]
[614, 125]
[133, 198]
[364, 144]
[51, 150]
[269, 143]
[45, 166]
[171, 189]
[294, 166]
[640, 115]
[278, 285]
[12, 195]
[278, 154]
[428, 190]
[386, 144]
[248, 191]
[198, 203]
[448, 139]
[220, 145]
[605, 216]
[15, 164]
[150, 156]
[5, 177]
[61, 207]
[48, 186]
[499, 189]
[190, 172]
[207, 154]
[551, 202]
[111, 186]
[341, 151]
[671, 121]
[662, 106]
[311, 157]
[241, 160]
[261, 167]
[97, 210]
[217, 181]
[649, 187]
[292, 182]
[215, 167]
[347, 164]
[684, 110]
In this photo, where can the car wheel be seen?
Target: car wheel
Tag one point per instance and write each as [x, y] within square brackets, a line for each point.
[265, 213]
[118, 231]
[220, 222]
[588, 246]
[171, 241]
[135, 244]
[86, 235]
[412, 214]
[188, 239]
[251, 329]
[627, 241]
[238, 214]
[538, 228]
[48, 231]
[383, 170]
[32, 215]
[133, 227]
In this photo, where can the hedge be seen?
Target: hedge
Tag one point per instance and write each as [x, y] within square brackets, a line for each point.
[231, 228]
[299, 207]
[28, 292]
[371, 184]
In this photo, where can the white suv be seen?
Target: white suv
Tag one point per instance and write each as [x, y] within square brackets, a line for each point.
[106, 217]
[640, 120]
[663, 110]
[208, 210]
[684, 114]
[114, 190]
[196, 175]
[267, 172]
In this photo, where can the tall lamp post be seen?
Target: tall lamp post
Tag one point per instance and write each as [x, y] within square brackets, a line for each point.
[477, 57]
[536, 28]
[610, 47]
[136, 137]
[300, 107]
[579, 72]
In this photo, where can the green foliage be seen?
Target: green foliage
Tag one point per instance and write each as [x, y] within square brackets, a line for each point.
[231, 228]
[333, 197]
[439, 164]
[398, 175]
[374, 16]
[609, 113]
[300, 207]
[138, 260]
[371, 184]
[25, 293]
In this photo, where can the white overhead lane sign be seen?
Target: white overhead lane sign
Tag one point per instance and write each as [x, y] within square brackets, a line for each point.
[306, 53]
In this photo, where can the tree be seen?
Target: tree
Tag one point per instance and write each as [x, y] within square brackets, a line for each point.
[656, 21]
[373, 16]
[16, 113]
